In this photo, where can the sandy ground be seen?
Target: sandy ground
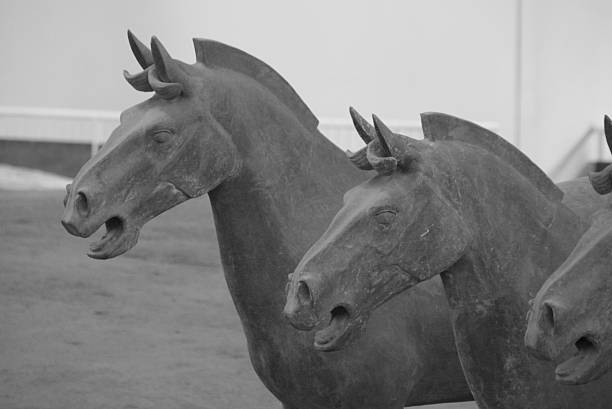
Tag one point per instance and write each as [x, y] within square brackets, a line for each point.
[154, 328]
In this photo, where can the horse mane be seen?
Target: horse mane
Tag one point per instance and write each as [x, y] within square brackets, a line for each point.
[438, 126]
[215, 54]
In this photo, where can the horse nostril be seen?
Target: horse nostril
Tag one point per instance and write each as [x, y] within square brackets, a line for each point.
[548, 316]
[303, 293]
[298, 310]
[82, 204]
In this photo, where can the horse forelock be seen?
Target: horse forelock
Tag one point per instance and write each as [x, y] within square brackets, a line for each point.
[149, 80]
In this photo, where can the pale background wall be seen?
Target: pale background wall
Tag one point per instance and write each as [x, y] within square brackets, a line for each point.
[567, 77]
[395, 58]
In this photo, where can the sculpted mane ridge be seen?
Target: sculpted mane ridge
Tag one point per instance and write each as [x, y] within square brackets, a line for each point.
[215, 54]
[438, 126]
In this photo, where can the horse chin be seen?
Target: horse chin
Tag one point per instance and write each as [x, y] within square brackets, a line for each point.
[340, 331]
[584, 366]
[120, 236]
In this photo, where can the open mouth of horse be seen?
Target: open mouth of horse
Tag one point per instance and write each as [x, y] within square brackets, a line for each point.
[118, 239]
[336, 334]
[582, 366]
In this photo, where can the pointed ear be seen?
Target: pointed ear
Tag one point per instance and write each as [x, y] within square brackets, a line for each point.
[139, 81]
[390, 150]
[608, 131]
[384, 134]
[378, 153]
[166, 79]
[144, 56]
[166, 90]
[602, 180]
[166, 67]
[363, 127]
[141, 52]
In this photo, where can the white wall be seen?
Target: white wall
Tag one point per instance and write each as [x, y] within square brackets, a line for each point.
[567, 78]
[395, 58]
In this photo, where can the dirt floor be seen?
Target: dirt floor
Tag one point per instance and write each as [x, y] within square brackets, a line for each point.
[154, 328]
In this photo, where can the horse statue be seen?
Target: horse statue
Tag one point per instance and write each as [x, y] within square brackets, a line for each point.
[465, 205]
[230, 126]
[571, 318]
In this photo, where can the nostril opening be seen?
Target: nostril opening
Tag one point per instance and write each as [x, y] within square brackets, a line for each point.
[585, 343]
[548, 316]
[303, 293]
[340, 312]
[82, 205]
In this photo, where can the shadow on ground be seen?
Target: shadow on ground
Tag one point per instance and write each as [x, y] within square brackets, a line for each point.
[153, 329]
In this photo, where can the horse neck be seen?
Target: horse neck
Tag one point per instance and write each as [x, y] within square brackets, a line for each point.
[289, 187]
[519, 235]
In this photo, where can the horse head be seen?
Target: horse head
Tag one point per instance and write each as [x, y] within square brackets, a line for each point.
[570, 321]
[360, 261]
[167, 149]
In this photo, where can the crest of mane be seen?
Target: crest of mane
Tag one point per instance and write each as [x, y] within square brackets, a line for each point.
[214, 54]
[438, 126]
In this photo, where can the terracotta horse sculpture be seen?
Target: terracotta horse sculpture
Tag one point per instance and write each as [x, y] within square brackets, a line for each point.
[465, 205]
[571, 319]
[230, 126]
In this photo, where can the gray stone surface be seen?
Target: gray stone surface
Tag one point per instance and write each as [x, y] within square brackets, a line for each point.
[571, 319]
[231, 127]
[465, 205]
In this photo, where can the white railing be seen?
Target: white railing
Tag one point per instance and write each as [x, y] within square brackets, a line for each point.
[57, 125]
[94, 127]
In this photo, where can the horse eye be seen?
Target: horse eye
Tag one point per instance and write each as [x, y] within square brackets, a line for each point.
[162, 136]
[385, 217]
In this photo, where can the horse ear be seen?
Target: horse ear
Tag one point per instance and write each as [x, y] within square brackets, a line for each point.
[165, 66]
[139, 81]
[384, 134]
[166, 90]
[379, 154]
[144, 56]
[165, 78]
[392, 150]
[602, 180]
[608, 131]
[363, 127]
[141, 52]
